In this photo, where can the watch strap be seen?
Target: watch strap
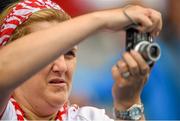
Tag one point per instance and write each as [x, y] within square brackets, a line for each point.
[131, 113]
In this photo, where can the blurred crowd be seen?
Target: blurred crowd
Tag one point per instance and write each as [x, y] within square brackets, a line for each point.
[93, 81]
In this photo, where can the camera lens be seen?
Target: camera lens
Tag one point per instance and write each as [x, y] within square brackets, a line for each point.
[149, 51]
[153, 51]
[144, 44]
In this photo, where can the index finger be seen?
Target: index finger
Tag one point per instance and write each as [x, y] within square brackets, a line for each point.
[157, 18]
[144, 67]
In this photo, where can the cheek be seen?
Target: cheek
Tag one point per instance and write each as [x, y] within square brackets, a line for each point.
[38, 81]
[71, 68]
[33, 87]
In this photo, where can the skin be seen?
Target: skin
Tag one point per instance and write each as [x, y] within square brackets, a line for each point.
[49, 48]
[39, 93]
[127, 91]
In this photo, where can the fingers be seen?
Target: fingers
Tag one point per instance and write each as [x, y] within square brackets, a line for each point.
[128, 89]
[131, 63]
[144, 68]
[156, 18]
[146, 24]
[122, 66]
[149, 20]
[117, 76]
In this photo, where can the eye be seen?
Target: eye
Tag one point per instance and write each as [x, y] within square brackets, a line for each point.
[70, 54]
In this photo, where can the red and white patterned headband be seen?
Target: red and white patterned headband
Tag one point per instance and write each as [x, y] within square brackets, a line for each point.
[20, 13]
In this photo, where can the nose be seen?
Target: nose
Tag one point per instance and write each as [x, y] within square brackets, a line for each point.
[60, 65]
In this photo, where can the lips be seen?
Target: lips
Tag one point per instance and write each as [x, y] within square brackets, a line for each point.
[57, 81]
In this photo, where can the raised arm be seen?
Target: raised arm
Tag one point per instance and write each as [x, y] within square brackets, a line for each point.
[27, 55]
[130, 75]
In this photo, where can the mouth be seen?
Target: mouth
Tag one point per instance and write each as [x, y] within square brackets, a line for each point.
[57, 82]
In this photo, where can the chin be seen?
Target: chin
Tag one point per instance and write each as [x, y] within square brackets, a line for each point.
[58, 100]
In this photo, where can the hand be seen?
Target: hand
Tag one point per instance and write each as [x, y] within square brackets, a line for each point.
[127, 90]
[148, 19]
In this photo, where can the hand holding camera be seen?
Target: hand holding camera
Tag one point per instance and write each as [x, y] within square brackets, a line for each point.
[144, 44]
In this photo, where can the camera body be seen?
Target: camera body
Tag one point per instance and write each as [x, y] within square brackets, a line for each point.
[143, 43]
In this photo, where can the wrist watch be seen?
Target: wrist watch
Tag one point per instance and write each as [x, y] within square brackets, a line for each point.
[135, 112]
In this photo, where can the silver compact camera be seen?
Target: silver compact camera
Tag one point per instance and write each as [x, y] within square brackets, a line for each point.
[143, 43]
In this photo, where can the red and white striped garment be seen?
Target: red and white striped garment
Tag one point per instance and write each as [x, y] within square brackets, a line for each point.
[67, 113]
[20, 13]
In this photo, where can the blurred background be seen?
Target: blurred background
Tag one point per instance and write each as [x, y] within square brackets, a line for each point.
[93, 81]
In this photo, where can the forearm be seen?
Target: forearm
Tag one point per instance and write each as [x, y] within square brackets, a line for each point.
[26, 56]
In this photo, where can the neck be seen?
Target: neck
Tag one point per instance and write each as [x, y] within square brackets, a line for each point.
[29, 115]
[37, 111]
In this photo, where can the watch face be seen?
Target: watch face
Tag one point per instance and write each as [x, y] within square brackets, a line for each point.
[135, 113]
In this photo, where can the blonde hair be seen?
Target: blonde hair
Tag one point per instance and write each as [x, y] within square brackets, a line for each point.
[42, 15]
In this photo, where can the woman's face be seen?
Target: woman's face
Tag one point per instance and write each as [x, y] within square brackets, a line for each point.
[51, 86]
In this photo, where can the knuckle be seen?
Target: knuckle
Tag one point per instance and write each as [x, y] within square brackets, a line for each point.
[123, 67]
[119, 63]
[113, 68]
[159, 14]
[148, 69]
[137, 7]
[158, 17]
[139, 18]
[145, 69]
[125, 55]
[134, 67]
[148, 12]
[149, 25]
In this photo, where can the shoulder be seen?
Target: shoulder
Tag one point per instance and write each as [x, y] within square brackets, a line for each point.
[88, 113]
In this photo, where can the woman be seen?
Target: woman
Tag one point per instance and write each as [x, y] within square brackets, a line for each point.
[41, 64]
